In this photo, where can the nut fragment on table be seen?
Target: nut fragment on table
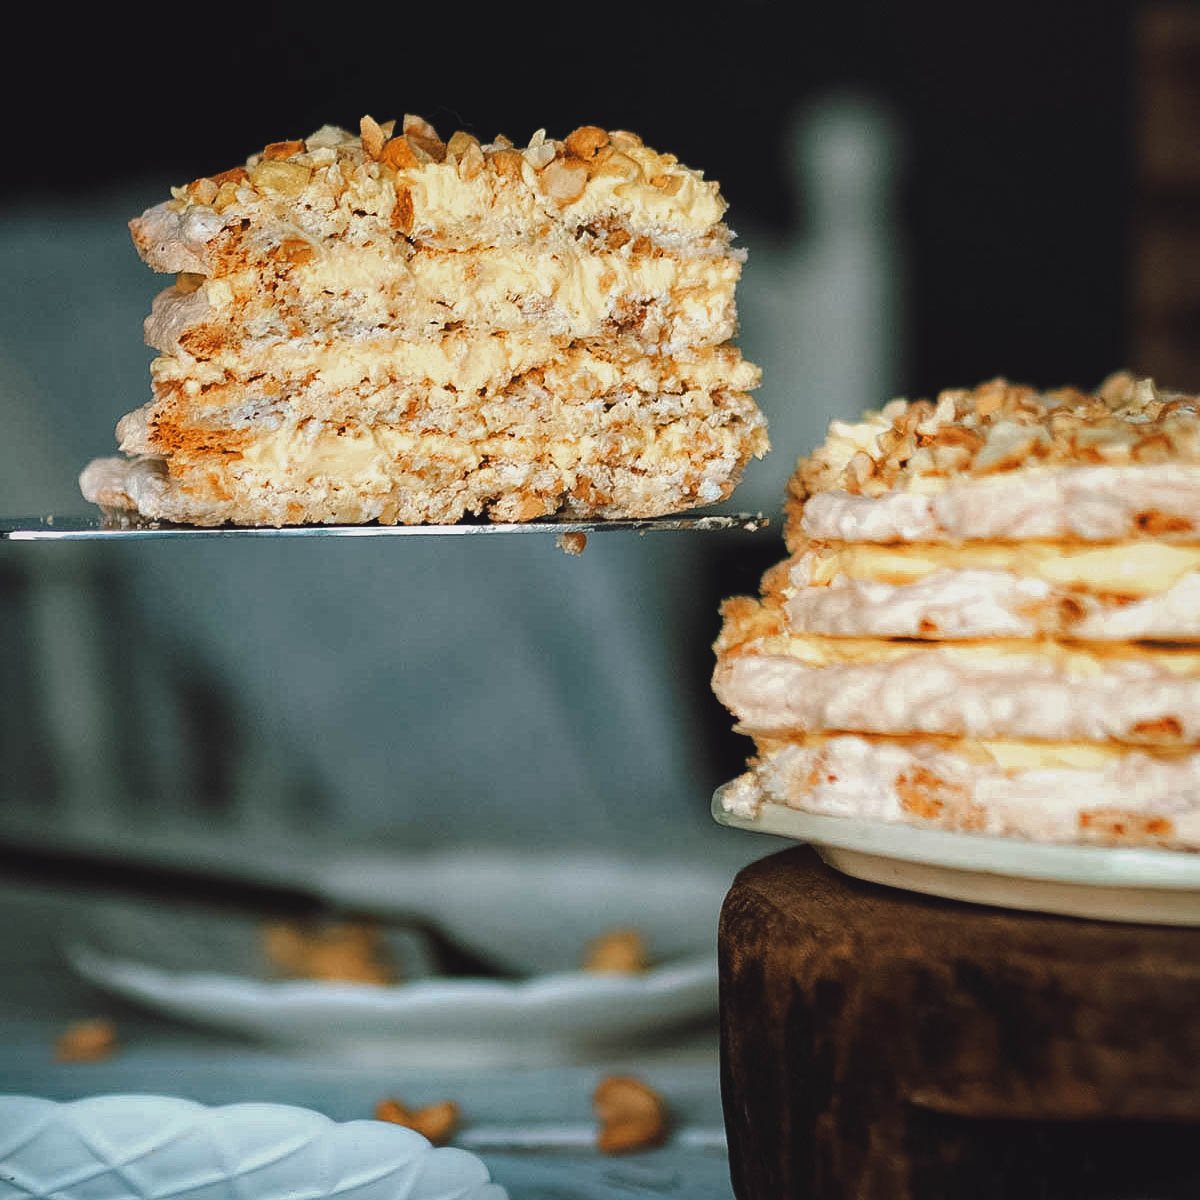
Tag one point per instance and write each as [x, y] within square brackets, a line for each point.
[86, 1041]
[437, 1122]
[632, 1115]
[617, 951]
[341, 951]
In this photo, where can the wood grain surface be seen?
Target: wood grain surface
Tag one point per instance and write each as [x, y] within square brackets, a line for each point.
[878, 1043]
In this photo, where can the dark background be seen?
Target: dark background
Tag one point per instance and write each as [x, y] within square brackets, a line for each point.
[1019, 190]
[1017, 118]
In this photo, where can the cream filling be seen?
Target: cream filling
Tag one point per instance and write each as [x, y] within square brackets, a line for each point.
[1077, 661]
[1138, 568]
[1091, 504]
[1055, 801]
[974, 690]
[479, 363]
[467, 364]
[582, 286]
[1009, 754]
[368, 459]
[558, 292]
[992, 604]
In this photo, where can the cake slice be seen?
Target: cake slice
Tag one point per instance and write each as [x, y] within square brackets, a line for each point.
[986, 622]
[388, 327]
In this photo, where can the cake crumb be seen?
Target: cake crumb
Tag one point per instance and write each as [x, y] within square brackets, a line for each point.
[571, 543]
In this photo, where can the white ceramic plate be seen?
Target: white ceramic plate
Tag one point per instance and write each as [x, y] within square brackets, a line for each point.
[1115, 884]
[205, 965]
[130, 1147]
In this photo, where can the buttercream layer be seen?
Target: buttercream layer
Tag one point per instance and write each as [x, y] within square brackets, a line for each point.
[561, 289]
[1128, 798]
[309, 472]
[1119, 692]
[1132, 569]
[994, 604]
[1130, 591]
[386, 377]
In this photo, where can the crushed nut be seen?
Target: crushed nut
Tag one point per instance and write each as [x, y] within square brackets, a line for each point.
[283, 178]
[418, 127]
[618, 951]
[1008, 445]
[669, 185]
[632, 1115]
[86, 1041]
[202, 191]
[470, 161]
[277, 150]
[372, 135]
[437, 1122]
[460, 143]
[540, 153]
[564, 181]
[226, 196]
[507, 162]
[400, 153]
[586, 140]
[233, 175]
[424, 137]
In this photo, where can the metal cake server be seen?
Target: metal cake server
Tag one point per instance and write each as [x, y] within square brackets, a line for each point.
[54, 528]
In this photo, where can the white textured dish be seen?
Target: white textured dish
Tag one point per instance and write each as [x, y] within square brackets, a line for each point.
[132, 1147]
[1159, 887]
[531, 915]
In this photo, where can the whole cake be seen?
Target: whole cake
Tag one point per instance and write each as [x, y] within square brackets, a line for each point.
[989, 620]
[386, 326]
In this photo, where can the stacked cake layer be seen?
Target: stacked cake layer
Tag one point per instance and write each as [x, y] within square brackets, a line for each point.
[391, 327]
[989, 620]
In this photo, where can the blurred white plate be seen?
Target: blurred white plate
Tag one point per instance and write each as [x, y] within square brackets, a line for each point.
[126, 1147]
[532, 917]
[1114, 884]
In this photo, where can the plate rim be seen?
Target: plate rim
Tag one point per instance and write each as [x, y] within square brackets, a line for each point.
[1083, 865]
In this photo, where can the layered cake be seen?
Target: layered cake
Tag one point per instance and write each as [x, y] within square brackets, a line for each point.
[988, 620]
[386, 326]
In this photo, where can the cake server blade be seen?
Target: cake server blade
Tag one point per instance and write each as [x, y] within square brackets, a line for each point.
[54, 528]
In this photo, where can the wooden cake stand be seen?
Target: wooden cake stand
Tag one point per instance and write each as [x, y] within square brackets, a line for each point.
[884, 1045]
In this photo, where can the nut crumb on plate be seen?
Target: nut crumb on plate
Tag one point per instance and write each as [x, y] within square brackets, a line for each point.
[342, 951]
[632, 1116]
[86, 1041]
[617, 951]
